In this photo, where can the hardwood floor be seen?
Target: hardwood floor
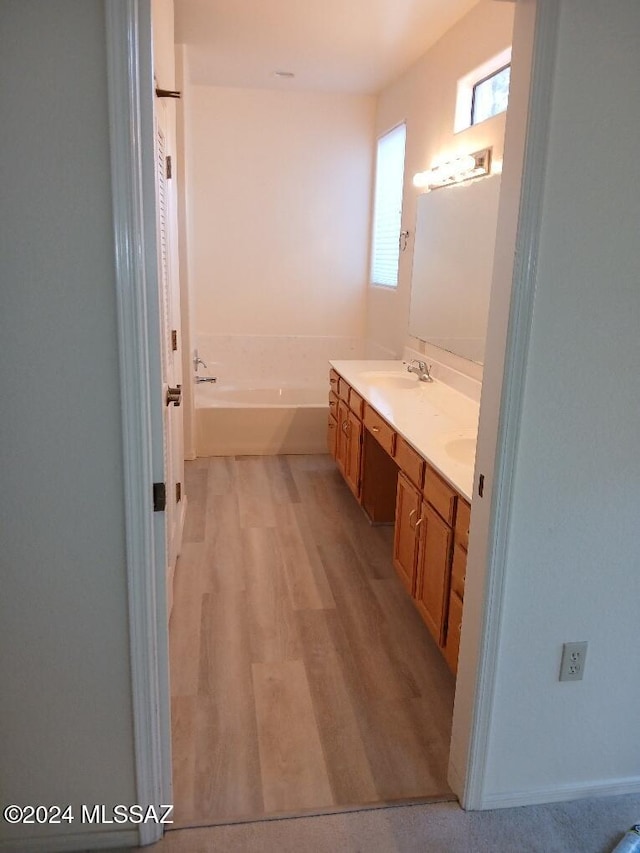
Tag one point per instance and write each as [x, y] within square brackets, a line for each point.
[302, 678]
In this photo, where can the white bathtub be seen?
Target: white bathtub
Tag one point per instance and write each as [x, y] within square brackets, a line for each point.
[240, 419]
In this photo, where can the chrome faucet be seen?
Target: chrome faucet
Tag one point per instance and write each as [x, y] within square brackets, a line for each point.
[200, 379]
[421, 369]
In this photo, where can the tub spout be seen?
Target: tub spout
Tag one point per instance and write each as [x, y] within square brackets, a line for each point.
[200, 379]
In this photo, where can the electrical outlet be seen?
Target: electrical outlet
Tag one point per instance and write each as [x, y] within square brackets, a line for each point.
[574, 656]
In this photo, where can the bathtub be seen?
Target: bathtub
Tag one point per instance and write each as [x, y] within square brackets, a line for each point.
[241, 419]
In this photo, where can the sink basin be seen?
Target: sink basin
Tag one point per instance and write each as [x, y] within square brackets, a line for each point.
[461, 450]
[392, 379]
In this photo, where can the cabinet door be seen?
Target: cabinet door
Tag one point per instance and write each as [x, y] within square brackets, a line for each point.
[332, 436]
[342, 437]
[434, 566]
[353, 452]
[405, 538]
[454, 627]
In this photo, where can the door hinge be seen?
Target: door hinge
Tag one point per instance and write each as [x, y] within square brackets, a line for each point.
[174, 339]
[167, 93]
[169, 167]
[159, 497]
[481, 485]
[178, 492]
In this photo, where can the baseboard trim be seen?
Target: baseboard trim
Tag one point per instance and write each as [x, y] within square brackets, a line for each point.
[126, 838]
[562, 793]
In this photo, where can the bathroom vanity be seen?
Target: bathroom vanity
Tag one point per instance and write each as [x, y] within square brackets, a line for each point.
[406, 449]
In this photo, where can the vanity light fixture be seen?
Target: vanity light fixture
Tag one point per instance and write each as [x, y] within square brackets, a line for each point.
[455, 171]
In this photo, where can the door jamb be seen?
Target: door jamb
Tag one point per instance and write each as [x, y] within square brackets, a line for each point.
[507, 380]
[131, 121]
[130, 95]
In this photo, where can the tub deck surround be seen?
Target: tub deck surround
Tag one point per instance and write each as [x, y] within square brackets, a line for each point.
[439, 422]
[237, 420]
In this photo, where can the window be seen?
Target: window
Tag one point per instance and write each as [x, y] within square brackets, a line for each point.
[387, 211]
[490, 95]
[483, 92]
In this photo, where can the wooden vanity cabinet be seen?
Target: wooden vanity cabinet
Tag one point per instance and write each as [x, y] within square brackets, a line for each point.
[395, 484]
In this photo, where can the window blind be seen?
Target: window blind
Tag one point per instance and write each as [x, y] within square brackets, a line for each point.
[388, 207]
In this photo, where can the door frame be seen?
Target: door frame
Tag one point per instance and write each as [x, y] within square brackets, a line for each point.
[130, 78]
[510, 320]
[132, 138]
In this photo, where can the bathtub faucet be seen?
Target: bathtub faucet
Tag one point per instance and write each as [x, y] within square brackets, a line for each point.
[200, 379]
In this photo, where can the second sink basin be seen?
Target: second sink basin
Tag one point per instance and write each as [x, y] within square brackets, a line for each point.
[461, 449]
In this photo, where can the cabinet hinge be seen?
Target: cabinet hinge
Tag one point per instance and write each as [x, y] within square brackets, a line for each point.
[178, 492]
[174, 339]
[159, 497]
[169, 171]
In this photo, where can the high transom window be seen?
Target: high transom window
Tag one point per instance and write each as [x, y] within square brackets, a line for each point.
[490, 95]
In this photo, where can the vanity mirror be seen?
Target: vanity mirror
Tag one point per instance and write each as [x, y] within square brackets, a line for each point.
[452, 266]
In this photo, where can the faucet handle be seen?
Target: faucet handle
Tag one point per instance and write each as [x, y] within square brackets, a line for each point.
[197, 361]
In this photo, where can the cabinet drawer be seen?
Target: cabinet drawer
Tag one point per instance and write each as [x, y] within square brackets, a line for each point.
[343, 389]
[380, 430]
[334, 378]
[452, 646]
[458, 570]
[440, 495]
[410, 462]
[463, 519]
[356, 403]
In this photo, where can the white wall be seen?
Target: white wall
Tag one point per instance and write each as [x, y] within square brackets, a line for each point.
[425, 98]
[65, 706]
[279, 198]
[573, 570]
[162, 21]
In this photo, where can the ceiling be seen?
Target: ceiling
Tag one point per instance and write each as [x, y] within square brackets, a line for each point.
[355, 46]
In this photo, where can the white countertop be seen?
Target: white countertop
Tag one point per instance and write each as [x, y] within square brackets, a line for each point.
[437, 421]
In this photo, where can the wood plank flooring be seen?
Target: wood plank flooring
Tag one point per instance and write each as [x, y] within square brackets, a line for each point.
[302, 678]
